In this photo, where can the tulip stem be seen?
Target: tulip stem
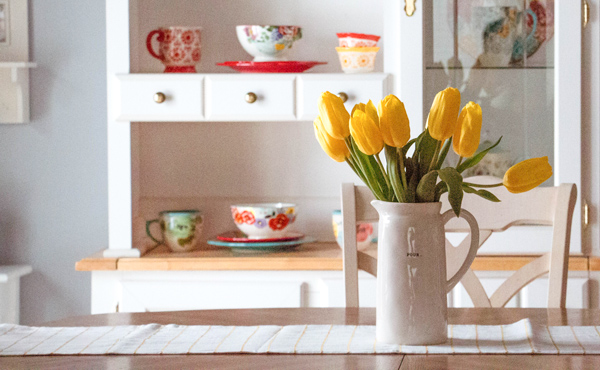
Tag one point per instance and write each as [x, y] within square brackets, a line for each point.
[483, 186]
[363, 171]
[460, 159]
[402, 171]
[387, 181]
[438, 146]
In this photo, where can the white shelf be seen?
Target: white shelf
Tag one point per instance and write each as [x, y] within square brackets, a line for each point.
[14, 93]
[17, 65]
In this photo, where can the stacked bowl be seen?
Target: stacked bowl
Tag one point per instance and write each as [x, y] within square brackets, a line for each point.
[357, 52]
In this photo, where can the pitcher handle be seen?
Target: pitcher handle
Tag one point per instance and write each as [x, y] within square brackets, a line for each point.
[449, 214]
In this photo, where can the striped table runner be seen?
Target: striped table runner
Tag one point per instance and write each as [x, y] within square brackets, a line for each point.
[519, 337]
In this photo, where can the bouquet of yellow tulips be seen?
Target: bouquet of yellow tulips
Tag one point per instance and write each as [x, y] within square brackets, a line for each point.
[359, 137]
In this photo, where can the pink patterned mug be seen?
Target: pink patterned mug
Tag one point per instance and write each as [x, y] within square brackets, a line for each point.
[179, 48]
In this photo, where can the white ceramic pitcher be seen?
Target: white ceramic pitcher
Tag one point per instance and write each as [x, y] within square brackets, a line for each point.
[411, 272]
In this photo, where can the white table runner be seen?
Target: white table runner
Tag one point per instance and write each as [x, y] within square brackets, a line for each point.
[519, 337]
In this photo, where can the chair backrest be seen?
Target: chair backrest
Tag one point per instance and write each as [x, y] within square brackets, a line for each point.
[548, 206]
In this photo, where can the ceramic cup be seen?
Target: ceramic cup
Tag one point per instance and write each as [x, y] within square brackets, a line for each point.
[366, 232]
[268, 43]
[180, 230]
[264, 220]
[179, 48]
[505, 40]
[357, 40]
[357, 60]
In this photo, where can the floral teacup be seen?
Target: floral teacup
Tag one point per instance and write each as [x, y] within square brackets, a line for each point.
[366, 233]
[180, 230]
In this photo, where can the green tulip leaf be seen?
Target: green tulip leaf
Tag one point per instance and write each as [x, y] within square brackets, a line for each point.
[426, 187]
[481, 192]
[427, 147]
[406, 147]
[391, 156]
[476, 158]
[453, 180]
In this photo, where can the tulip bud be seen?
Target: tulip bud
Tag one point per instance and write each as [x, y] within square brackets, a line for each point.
[468, 130]
[393, 122]
[527, 174]
[365, 132]
[443, 114]
[334, 116]
[336, 149]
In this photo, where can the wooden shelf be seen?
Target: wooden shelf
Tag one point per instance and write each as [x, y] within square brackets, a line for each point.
[308, 257]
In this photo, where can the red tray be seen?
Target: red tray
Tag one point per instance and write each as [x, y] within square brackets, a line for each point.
[271, 67]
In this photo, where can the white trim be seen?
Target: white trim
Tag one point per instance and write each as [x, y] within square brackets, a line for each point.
[567, 89]
[119, 134]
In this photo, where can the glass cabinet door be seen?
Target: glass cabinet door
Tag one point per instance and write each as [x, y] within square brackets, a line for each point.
[520, 60]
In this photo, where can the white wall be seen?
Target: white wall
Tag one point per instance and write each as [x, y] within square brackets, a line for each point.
[53, 192]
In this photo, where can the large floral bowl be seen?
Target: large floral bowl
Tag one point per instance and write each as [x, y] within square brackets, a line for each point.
[264, 220]
[357, 60]
[268, 43]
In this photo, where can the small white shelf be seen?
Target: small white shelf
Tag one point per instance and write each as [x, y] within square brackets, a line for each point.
[14, 91]
[10, 277]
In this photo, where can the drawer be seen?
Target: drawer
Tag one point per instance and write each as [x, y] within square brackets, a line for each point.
[226, 97]
[153, 296]
[359, 88]
[183, 97]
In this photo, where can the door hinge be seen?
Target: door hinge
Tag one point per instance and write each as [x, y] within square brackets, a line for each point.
[410, 7]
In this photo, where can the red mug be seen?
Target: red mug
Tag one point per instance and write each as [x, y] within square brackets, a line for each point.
[179, 48]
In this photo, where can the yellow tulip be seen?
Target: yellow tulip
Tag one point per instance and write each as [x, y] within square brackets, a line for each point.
[365, 132]
[443, 114]
[468, 130]
[334, 116]
[393, 122]
[336, 149]
[527, 174]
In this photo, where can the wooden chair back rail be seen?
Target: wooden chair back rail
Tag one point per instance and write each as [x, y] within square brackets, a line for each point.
[550, 206]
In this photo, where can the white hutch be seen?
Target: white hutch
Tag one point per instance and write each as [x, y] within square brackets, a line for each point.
[205, 147]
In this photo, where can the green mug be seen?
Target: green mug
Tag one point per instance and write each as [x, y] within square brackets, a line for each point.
[180, 230]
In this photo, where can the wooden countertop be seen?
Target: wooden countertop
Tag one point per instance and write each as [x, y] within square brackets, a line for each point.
[312, 256]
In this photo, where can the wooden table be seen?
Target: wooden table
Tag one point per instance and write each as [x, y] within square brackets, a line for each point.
[340, 316]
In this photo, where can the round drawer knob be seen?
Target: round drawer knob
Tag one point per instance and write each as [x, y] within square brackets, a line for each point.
[250, 97]
[343, 96]
[159, 97]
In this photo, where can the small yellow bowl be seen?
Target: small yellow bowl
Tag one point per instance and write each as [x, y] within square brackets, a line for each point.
[357, 59]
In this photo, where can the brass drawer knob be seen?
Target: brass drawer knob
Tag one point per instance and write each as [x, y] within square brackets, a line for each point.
[343, 96]
[250, 97]
[159, 97]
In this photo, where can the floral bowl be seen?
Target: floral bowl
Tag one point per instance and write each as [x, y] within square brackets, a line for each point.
[357, 60]
[351, 40]
[264, 220]
[366, 232]
[267, 43]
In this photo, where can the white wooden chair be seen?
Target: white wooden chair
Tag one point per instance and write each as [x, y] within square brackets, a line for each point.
[548, 206]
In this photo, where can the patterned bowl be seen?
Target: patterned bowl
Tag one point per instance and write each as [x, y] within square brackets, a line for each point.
[366, 233]
[267, 43]
[357, 60]
[264, 220]
[351, 40]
